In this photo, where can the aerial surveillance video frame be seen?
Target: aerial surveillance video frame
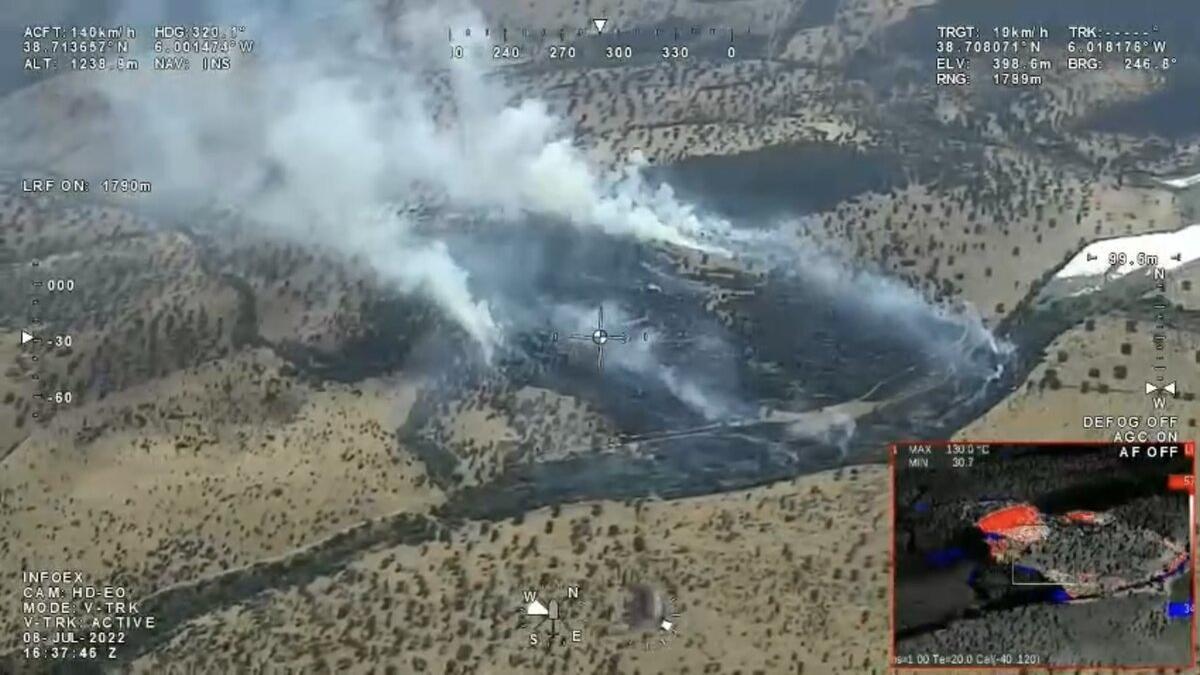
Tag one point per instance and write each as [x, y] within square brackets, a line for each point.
[1046, 554]
[521, 336]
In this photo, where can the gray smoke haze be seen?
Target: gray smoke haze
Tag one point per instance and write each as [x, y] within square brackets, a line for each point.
[347, 115]
[705, 389]
[909, 313]
[340, 119]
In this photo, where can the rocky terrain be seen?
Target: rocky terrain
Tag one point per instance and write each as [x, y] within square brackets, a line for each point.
[298, 468]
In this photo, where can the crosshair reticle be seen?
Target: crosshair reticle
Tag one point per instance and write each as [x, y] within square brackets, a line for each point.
[600, 337]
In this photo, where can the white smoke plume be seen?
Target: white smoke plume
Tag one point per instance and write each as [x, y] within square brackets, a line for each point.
[910, 314]
[700, 389]
[340, 116]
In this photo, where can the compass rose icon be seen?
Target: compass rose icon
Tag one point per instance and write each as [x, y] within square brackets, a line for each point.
[600, 337]
[552, 621]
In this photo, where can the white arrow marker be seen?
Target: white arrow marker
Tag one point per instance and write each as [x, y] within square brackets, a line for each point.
[1166, 389]
[599, 24]
[25, 337]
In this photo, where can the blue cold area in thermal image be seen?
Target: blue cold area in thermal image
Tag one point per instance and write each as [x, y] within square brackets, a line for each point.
[1179, 610]
[1059, 595]
[1179, 568]
[945, 557]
